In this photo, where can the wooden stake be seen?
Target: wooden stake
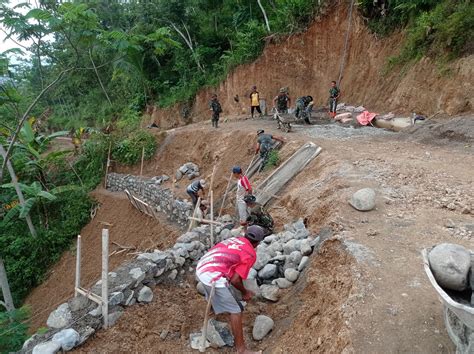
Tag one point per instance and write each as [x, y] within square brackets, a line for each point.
[225, 194]
[78, 265]
[250, 165]
[107, 166]
[143, 157]
[212, 218]
[212, 178]
[202, 347]
[105, 274]
[206, 221]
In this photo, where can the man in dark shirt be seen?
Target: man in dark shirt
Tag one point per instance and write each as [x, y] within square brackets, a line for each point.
[264, 145]
[334, 94]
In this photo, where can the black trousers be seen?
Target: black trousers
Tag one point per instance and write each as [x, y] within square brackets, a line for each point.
[253, 108]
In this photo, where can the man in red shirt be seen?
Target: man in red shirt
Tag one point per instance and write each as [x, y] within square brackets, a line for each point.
[225, 265]
[243, 188]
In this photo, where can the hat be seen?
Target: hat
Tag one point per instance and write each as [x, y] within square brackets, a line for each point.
[202, 182]
[260, 131]
[249, 198]
[255, 233]
[236, 169]
[282, 90]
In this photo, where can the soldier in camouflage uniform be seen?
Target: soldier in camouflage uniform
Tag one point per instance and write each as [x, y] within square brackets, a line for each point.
[216, 109]
[304, 106]
[264, 146]
[282, 101]
[258, 215]
[334, 94]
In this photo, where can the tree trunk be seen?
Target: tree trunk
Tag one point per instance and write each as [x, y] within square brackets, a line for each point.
[7, 295]
[264, 15]
[19, 193]
[98, 77]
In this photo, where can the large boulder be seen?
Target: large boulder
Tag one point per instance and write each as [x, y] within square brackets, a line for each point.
[261, 327]
[219, 334]
[50, 347]
[450, 264]
[60, 317]
[270, 292]
[268, 272]
[363, 199]
[145, 295]
[68, 338]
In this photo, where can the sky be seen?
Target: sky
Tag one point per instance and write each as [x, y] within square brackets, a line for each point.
[6, 44]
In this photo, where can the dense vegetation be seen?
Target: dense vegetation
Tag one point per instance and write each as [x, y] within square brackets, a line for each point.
[89, 69]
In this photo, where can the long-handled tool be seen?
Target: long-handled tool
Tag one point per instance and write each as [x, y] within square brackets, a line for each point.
[202, 346]
[225, 194]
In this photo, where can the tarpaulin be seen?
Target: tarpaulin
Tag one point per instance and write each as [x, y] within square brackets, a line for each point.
[366, 117]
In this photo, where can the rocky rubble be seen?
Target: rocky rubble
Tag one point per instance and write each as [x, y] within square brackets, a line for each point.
[151, 191]
[189, 170]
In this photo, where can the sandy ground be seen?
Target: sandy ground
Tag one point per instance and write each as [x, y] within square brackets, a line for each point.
[366, 291]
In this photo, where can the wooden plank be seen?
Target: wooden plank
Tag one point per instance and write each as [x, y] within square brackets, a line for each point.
[105, 275]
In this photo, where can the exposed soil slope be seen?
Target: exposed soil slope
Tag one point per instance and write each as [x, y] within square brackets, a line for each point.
[307, 62]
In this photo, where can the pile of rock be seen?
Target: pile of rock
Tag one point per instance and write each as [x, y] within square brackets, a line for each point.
[73, 322]
[453, 268]
[189, 170]
[150, 191]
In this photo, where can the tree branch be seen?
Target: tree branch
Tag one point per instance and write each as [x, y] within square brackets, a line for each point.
[98, 77]
[25, 116]
[264, 15]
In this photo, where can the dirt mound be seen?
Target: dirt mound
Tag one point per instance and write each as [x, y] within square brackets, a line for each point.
[128, 227]
[313, 305]
[307, 62]
[458, 130]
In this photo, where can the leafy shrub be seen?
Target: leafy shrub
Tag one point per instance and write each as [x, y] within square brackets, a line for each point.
[13, 329]
[273, 159]
[129, 150]
[293, 15]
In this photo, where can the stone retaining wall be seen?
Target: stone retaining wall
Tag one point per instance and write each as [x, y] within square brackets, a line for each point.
[150, 191]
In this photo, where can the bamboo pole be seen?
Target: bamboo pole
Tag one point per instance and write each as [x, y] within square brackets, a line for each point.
[202, 346]
[105, 273]
[206, 221]
[250, 165]
[212, 178]
[225, 194]
[143, 157]
[212, 218]
[78, 265]
[107, 166]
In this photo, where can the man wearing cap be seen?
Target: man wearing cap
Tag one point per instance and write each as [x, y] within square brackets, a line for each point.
[243, 188]
[224, 267]
[264, 145]
[194, 188]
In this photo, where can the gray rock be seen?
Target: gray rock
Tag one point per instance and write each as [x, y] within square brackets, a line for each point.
[173, 274]
[282, 283]
[218, 334]
[270, 239]
[183, 169]
[363, 199]
[96, 312]
[268, 272]
[195, 340]
[291, 274]
[315, 242]
[145, 295]
[289, 247]
[252, 274]
[236, 232]
[68, 338]
[251, 284]
[295, 257]
[78, 303]
[225, 234]
[180, 261]
[450, 264]
[115, 298]
[304, 262]
[287, 236]
[269, 292]
[85, 334]
[165, 178]
[137, 274]
[60, 317]
[262, 259]
[50, 347]
[305, 248]
[156, 257]
[275, 247]
[200, 288]
[128, 297]
[114, 316]
[178, 175]
[299, 225]
[262, 326]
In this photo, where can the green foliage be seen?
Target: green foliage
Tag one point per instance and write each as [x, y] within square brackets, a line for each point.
[273, 160]
[129, 149]
[13, 329]
[441, 29]
[294, 15]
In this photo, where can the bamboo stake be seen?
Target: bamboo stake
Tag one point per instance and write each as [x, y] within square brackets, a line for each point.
[202, 347]
[212, 217]
[206, 221]
[141, 166]
[250, 165]
[212, 178]
[107, 166]
[78, 265]
[225, 194]
[105, 273]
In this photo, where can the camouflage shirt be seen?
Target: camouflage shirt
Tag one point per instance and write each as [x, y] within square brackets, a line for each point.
[334, 92]
[215, 106]
[259, 216]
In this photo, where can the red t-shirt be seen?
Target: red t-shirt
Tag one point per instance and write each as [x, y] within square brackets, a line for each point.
[221, 262]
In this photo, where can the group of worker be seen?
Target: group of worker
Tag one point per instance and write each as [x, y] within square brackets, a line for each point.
[224, 267]
[281, 103]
